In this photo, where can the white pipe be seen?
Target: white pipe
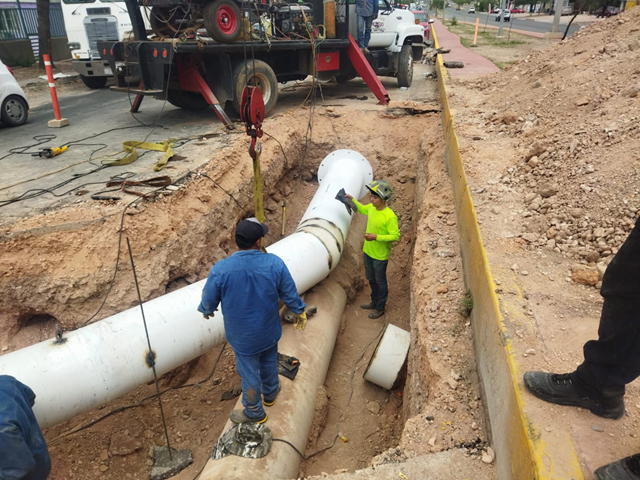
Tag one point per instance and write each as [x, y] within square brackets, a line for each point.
[107, 359]
[291, 417]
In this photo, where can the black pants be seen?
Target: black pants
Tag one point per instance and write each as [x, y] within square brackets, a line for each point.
[613, 360]
[376, 273]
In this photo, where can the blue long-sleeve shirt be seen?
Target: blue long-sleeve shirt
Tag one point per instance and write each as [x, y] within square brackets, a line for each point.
[23, 450]
[248, 284]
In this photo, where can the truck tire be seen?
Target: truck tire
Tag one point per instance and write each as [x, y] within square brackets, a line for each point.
[223, 20]
[94, 82]
[405, 66]
[15, 111]
[263, 77]
[186, 100]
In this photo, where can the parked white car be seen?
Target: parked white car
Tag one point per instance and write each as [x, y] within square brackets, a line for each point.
[14, 109]
[472, 10]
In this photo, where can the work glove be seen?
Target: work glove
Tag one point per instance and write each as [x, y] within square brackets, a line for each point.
[341, 197]
[300, 320]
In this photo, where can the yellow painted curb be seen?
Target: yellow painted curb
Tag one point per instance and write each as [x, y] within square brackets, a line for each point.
[521, 450]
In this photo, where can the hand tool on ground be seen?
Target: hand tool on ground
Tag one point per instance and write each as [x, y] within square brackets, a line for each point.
[50, 152]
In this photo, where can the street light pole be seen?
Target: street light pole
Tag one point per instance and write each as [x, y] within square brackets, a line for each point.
[555, 28]
[502, 3]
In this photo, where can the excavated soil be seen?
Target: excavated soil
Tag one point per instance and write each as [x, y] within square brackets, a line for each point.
[551, 149]
[60, 265]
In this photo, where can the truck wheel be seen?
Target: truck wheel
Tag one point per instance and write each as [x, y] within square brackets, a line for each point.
[405, 67]
[186, 100]
[14, 111]
[263, 77]
[222, 20]
[94, 82]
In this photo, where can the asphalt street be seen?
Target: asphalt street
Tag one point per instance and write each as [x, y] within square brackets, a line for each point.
[93, 115]
[517, 22]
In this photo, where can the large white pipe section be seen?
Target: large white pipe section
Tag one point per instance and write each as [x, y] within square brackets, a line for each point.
[102, 361]
[291, 417]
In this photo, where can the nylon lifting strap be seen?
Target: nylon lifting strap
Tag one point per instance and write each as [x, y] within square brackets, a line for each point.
[131, 146]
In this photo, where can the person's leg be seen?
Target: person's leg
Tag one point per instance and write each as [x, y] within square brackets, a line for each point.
[367, 30]
[613, 360]
[370, 273]
[269, 374]
[248, 367]
[360, 30]
[380, 267]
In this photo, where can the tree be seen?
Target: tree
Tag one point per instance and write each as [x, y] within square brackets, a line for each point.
[44, 30]
[460, 2]
[437, 5]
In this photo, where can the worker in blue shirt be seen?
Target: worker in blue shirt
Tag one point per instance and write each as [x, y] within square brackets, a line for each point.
[23, 450]
[248, 284]
[367, 11]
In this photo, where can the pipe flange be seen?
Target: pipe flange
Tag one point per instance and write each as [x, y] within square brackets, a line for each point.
[343, 154]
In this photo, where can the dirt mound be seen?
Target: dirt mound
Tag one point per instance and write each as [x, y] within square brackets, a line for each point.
[571, 114]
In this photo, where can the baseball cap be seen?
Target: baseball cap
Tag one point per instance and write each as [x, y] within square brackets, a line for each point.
[250, 230]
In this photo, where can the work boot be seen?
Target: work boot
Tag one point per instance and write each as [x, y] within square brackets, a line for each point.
[625, 469]
[270, 401]
[368, 306]
[376, 314]
[238, 416]
[365, 50]
[561, 390]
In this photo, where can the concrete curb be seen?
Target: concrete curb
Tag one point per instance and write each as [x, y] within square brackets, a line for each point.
[521, 449]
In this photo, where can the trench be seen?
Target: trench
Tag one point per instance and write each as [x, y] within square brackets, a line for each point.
[178, 238]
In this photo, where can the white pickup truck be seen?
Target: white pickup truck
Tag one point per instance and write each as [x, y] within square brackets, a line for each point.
[397, 40]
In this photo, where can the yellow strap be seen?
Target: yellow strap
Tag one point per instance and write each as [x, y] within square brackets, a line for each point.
[132, 154]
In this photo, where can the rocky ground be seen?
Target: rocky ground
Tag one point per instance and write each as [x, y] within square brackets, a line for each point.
[550, 146]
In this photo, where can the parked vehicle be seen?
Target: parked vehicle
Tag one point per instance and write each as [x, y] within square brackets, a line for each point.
[610, 11]
[89, 22]
[423, 18]
[14, 107]
[507, 15]
[517, 10]
[194, 74]
[472, 10]
[567, 11]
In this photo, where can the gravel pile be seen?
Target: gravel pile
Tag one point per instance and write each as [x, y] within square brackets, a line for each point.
[573, 111]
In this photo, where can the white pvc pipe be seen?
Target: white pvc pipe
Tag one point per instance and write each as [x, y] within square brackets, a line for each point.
[107, 359]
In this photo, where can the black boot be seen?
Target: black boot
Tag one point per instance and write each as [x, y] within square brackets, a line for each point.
[560, 389]
[625, 469]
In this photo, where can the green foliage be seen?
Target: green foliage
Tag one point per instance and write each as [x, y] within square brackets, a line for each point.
[460, 2]
[454, 21]
[465, 304]
[437, 4]
[482, 6]
[20, 61]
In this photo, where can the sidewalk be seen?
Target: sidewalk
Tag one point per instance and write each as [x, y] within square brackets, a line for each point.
[475, 65]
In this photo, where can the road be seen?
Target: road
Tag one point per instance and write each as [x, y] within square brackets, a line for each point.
[517, 23]
[92, 114]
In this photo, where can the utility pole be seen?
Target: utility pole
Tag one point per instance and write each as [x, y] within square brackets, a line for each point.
[501, 21]
[556, 18]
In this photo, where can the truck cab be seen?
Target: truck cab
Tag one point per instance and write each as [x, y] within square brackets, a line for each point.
[89, 22]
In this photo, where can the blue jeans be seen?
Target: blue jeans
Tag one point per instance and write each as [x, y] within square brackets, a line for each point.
[259, 374]
[376, 273]
[364, 30]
